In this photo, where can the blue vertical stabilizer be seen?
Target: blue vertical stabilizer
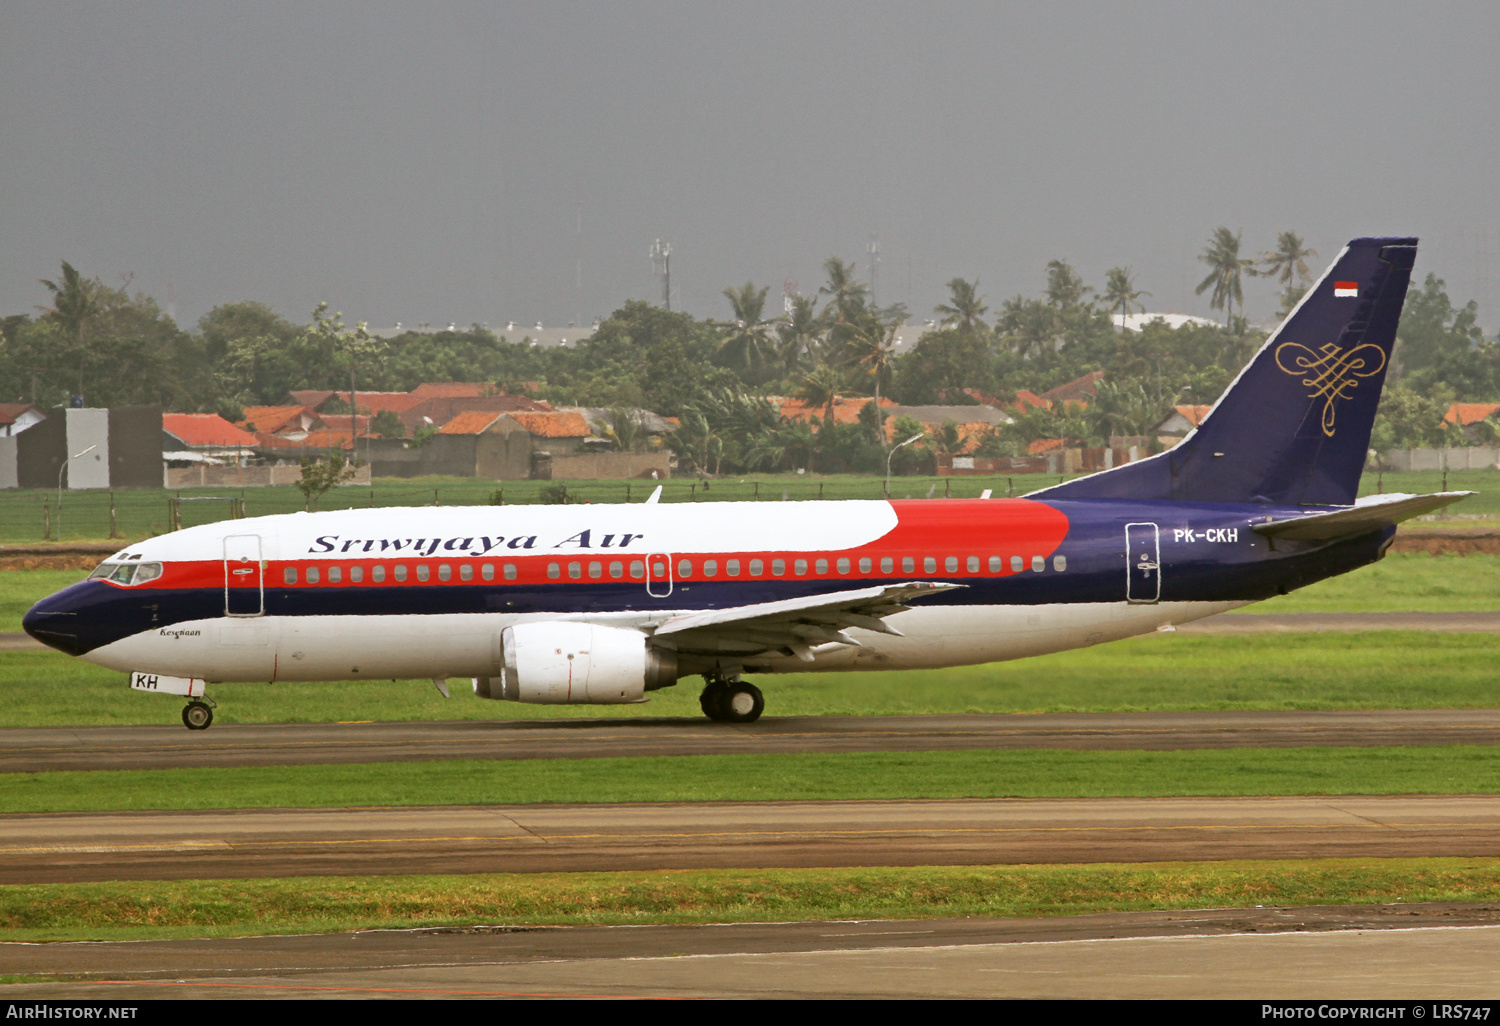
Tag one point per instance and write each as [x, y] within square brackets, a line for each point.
[1294, 427]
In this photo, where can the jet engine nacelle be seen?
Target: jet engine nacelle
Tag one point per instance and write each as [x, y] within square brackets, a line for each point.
[561, 662]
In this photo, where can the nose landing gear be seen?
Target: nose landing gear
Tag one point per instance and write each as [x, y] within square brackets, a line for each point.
[731, 700]
[198, 714]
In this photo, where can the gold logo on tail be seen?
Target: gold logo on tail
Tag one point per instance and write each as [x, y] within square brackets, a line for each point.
[1331, 373]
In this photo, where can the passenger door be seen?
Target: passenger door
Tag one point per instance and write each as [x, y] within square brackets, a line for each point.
[659, 574]
[244, 576]
[1142, 563]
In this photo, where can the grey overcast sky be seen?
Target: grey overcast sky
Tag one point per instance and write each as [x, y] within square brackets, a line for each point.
[428, 162]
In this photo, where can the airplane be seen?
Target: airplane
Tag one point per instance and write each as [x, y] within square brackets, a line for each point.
[604, 604]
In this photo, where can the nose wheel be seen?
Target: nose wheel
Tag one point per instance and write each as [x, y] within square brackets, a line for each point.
[732, 701]
[197, 715]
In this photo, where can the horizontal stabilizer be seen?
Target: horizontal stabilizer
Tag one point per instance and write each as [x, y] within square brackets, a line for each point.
[1368, 514]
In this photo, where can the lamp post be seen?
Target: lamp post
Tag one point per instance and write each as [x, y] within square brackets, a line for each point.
[910, 440]
[60, 471]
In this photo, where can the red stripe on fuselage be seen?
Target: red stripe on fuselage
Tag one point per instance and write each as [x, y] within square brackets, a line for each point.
[938, 528]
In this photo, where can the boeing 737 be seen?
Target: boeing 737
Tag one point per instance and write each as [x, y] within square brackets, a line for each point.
[606, 603]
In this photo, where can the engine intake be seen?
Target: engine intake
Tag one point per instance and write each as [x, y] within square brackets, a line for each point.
[561, 662]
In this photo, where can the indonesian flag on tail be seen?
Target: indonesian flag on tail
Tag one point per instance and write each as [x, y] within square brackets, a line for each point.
[1346, 288]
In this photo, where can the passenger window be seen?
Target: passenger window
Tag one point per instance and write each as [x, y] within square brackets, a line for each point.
[1016, 566]
[973, 564]
[617, 569]
[377, 573]
[510, 572]
[866, 564]
[575, 571]
[950, 565]
[929, 565]
[778, 567]
[908, 565]
[554, 571]
[996, 565]
[800, 567]
[887, 564]
[312, 575]
[843, 564]
[757, 568]
[445, 572]
[356, 574]
[732, 567]
[335, 575]
[466, 572]
[596, 570]
[659, 568]
[1059, 563]
[637, 568]
[400, 573]
[684, 568]
[423, 571]
[710, 567]
[1038, 563]
[822, 566]
[288, 576]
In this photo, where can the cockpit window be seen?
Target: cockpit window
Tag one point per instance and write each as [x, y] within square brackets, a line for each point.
[127, 573]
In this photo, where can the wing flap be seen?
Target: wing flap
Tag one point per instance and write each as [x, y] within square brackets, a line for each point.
[1368, 514]
[797, 625]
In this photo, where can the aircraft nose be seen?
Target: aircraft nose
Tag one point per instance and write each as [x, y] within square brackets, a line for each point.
[54, 622]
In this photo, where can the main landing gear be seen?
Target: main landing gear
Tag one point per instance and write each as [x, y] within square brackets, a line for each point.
[731, 700]
[197, 714]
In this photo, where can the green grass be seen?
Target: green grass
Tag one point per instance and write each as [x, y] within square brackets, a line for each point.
[987, 773]
[223, 908]
[143, 512]
[1401, 582]
[1376, 670]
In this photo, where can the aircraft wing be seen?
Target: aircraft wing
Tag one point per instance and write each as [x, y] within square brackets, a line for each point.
[792, 626]
[1368, 514]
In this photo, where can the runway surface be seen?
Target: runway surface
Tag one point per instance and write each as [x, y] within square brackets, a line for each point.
[1444, 952]
[39, 847]
[32, 750]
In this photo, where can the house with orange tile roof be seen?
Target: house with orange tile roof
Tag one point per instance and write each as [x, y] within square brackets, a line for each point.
[846, 408]
[207, 434]
[1174, 427]
[1472, 417]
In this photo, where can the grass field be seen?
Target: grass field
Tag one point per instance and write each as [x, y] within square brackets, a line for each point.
[1034, 773]
[1375, 670]
[143, 512]
[227, 908]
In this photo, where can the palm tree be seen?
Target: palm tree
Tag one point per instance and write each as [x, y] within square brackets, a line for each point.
[966, 309]
[1222, 254]
[1065, 289]
[822, 387]
[1120, 292]
[75, 306]
[872, 348]
[747, 341]
[846, 296]
[800, 333]
[1288, 265]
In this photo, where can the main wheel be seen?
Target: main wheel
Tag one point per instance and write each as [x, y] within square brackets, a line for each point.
[711, 701]
[741, 703]
[197, 716]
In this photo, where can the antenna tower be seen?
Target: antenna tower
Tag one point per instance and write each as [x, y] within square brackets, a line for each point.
[661, 266]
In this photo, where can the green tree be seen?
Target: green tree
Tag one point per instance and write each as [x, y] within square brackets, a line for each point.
[319, 476]
[1065, 288]
[1120, 293]
[1287, 263]
[965, 308]
[388, 425]
[1227, 272]
[746, 345]
[800, 333]
[75, 306]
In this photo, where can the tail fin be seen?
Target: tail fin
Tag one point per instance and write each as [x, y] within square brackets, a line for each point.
[1294, 427]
